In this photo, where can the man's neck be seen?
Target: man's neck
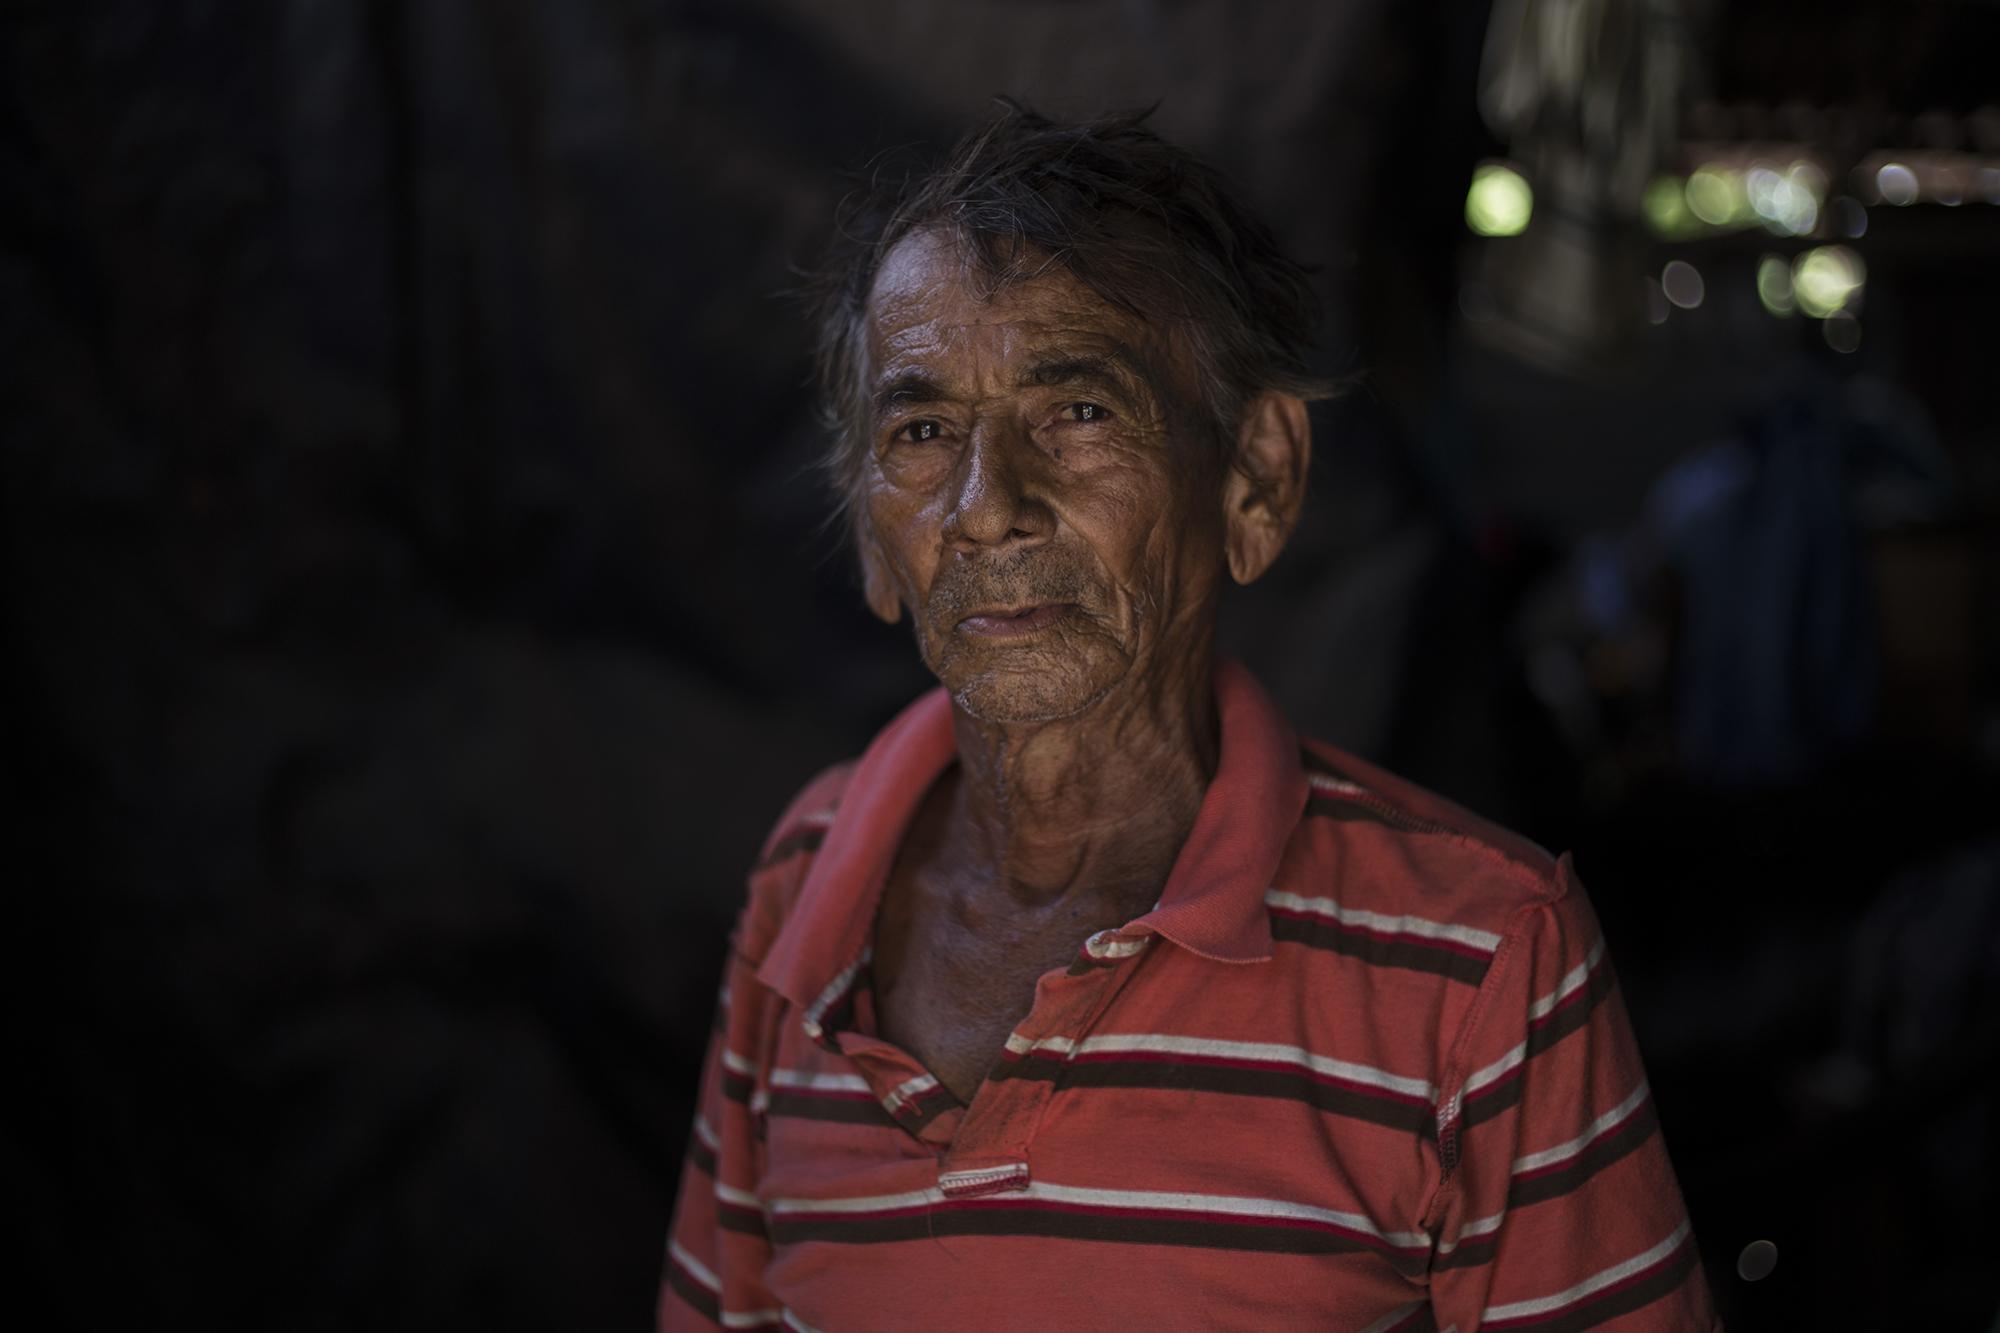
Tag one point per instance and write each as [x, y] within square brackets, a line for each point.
[1090, 810]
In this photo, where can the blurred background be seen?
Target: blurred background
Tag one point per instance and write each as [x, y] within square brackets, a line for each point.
[417, 606]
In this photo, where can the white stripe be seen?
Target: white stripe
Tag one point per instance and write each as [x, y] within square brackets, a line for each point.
[820, 818]
[798, 1325]
[869, 1203]
[1227, 1204]
[1193, 1204]
[1541, 1008]
[704, 1132]
[1572, 979]
[1106, 944]
[903, 1092]
[810, 1020]
[1590, 1285]
[705, 1275]
[798, 1078]
[741, 1198]
[1599, 1127]
[736, 1064]
[954, 1184]
[1020, 1045]
[1393, 1318]
[1263, 1051]
[1328, 782]
[1229, 1050]
[1471, 1231]
[1498, 1069]
[698, 1270]
[1483, 940]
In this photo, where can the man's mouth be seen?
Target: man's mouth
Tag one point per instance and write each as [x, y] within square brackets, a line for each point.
[1014, 623]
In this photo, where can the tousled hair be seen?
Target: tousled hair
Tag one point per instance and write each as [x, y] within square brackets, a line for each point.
[1141, 222]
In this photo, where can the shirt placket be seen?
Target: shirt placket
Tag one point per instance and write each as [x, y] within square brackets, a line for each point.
[989, 1152]
[909, 1093]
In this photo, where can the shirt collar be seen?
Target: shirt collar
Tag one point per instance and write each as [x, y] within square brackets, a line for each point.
[1213, 903]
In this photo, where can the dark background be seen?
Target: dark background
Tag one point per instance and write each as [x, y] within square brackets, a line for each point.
[417, 607]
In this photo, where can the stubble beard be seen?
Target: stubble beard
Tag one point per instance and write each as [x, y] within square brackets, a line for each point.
[1060, 673]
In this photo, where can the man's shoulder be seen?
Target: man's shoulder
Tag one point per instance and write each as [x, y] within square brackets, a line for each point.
[1397, 849]
[779, 872]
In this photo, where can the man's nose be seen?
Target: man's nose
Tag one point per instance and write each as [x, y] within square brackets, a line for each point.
[998, 500]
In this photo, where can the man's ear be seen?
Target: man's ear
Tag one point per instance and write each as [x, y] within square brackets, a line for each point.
[1265, 489]
[877, 587]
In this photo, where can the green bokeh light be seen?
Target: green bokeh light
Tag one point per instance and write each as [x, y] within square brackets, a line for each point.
[1827, 278]
[1666, 208]
[1499, 202]
[1716, 196]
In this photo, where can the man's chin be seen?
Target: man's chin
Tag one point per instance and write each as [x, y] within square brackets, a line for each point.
[1025, 694]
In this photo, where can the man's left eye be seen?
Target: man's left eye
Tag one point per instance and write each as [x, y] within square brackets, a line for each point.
[1086, 412]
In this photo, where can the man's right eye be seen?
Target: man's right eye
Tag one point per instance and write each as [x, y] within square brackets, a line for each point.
[920, 432]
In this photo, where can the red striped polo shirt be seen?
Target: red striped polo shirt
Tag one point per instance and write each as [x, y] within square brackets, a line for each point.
[1365, 1066]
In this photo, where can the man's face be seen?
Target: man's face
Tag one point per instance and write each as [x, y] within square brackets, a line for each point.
[1031, 496]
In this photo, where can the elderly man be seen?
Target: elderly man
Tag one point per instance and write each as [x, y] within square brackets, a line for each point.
[1090, 997]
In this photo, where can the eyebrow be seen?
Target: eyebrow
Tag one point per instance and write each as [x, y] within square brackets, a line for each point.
[906, 390]
[1056, 371]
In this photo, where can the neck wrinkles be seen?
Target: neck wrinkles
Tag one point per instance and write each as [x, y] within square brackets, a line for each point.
[1091, 807]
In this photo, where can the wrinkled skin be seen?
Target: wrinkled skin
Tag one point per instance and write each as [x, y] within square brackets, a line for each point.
[1039, 502]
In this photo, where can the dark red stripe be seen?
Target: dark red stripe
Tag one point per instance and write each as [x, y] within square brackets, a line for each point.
[1420, 1320]
[1567, 1017]
[1471, 1254]
[686, 1286]
[987, 1217]
[1574, 1010]
[1621, 1298]
[740, 1217]
[1559, 1178]
[1173, 1072]
[918, 1110]
[1494, 1098]
[1457, 962]
[701, 1157]
[736, 1087]
[847, 1109]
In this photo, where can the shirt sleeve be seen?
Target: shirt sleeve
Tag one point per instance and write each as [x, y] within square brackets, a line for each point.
[1558, 1208]
[717, 1247]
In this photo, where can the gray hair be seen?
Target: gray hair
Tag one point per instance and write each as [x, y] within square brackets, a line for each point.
[1142, 223]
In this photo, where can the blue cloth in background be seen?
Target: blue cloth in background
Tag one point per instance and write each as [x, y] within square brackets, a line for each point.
[1777, 660]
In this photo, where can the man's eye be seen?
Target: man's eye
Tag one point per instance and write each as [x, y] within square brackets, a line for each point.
[920, 432]
[1086, 412]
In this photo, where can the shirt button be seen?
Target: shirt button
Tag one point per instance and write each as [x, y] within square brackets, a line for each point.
[1107, 944]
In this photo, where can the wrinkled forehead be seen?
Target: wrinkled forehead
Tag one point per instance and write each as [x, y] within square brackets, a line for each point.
[934, 301]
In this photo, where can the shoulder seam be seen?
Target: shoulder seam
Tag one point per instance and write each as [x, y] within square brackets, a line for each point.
[1451, 1077]
[1534, 877]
